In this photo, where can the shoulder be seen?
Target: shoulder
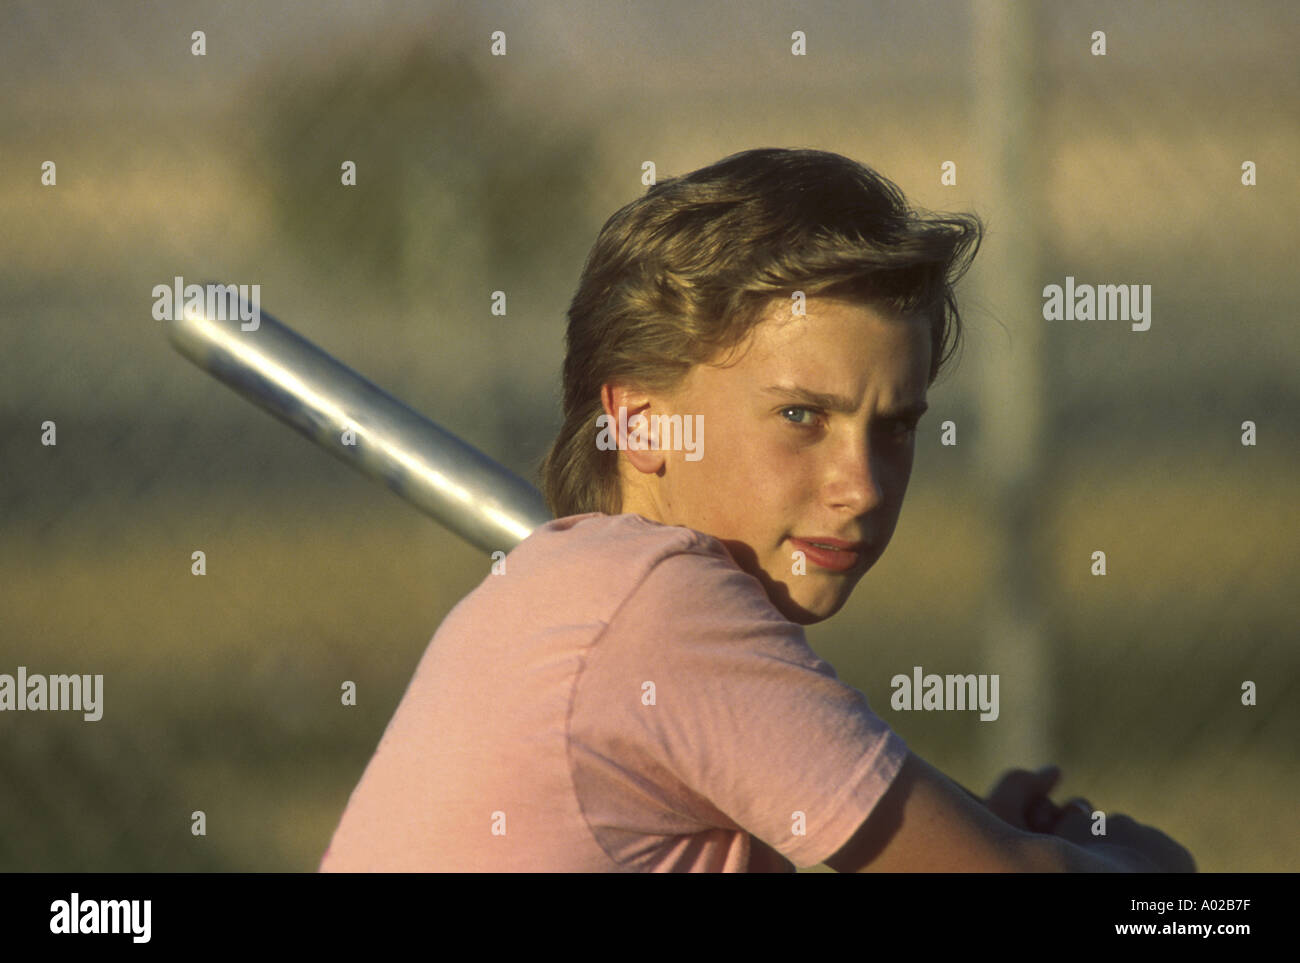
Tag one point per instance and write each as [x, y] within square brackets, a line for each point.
[642, 576]
[625, 530]
[622, 548]
[669, 560]
[677, 585]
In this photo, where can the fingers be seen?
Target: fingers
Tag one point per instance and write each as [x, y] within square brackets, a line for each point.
[1042, 782]
[1152, 850]
[1165, 854]
[1078, 802]
[1020, 798]
[1023, 785]
[1074, 821]
[1042, 815]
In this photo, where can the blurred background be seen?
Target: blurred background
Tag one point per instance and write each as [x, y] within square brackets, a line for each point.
[478, 173]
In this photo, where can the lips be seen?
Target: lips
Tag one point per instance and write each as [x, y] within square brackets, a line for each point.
[835, 543]
[833, 554]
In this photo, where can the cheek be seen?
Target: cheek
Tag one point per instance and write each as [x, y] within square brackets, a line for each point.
[776, 478]
[895, 490]
[741, 486]
[898, 467]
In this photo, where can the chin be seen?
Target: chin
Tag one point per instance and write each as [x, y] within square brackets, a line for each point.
[817, 606]
[813, 612]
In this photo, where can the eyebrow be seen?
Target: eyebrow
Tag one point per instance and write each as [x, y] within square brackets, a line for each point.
[834, 402]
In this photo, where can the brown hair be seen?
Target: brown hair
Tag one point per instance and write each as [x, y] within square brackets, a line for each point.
[688, 270]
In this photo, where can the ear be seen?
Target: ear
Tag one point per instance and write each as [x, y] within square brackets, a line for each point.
[632, 430]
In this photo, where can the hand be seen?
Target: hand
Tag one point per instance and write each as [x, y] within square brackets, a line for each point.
[1127, 842]
[1020, 798]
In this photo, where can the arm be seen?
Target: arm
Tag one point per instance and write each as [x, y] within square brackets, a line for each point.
[928, 823]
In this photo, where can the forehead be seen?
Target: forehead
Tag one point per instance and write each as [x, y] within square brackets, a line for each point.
[840, 337]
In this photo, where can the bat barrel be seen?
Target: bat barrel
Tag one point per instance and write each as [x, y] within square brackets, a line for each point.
[277, 369]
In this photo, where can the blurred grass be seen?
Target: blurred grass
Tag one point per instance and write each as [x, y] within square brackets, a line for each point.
[222, 692]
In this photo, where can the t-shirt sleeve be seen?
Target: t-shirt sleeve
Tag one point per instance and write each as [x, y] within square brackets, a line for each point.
[701, 707]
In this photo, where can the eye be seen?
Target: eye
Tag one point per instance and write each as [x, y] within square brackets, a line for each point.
[905, 429]
[799, 408]
[902, 430]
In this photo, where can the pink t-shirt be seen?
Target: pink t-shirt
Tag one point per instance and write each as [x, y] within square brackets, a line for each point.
[623, 697]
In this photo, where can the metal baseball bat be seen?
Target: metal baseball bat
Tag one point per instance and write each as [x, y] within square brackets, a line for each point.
[277, 369]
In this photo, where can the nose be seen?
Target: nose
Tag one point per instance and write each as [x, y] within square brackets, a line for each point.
[853, 482]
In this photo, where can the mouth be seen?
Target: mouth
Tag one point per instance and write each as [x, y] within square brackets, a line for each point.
[834, 554]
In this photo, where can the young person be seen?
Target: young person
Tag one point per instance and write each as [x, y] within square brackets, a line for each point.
[748, 355]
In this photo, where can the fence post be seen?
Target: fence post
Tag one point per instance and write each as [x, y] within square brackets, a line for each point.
[1012, 368]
